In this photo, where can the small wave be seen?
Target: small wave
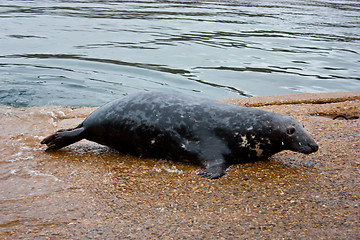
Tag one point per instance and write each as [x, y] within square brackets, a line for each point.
[36, 173]
[173, 169]
[19, 156]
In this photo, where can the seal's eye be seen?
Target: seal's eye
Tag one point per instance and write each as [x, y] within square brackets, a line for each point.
[290, 130]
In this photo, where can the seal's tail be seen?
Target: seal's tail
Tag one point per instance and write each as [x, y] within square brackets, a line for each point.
[63, 138]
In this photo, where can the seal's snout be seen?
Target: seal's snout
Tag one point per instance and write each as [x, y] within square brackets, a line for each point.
[296, 138]
[307, 148]
[309, 145]
[314, 147]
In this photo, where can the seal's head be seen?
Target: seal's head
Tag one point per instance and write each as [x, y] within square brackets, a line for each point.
[293, 136]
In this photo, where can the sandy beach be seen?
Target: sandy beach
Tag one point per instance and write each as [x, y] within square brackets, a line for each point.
[88, 191]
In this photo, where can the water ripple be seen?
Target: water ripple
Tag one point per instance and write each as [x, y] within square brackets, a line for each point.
[89, 52]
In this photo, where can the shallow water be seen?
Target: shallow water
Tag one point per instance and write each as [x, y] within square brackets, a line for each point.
[87, 53]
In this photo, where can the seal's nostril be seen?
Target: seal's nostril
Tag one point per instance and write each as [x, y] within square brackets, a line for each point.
[314, 147]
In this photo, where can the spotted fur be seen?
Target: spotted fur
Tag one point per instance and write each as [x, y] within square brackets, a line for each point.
[179, 127]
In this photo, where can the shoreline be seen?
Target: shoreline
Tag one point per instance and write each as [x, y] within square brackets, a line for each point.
[258, 101]
[298, 98]
[89, 191]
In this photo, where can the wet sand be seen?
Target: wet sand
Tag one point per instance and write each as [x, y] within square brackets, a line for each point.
[89, 191]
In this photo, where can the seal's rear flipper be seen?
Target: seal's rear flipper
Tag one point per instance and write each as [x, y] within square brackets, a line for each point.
[63, 138]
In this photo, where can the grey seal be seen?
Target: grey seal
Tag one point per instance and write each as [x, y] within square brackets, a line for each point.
[174, 126]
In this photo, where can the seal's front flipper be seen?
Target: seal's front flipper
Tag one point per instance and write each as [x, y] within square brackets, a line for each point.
[63, 138]
[212, 154]
[214, 172]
